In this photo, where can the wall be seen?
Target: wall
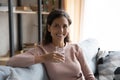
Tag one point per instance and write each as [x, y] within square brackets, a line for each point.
[29, 28]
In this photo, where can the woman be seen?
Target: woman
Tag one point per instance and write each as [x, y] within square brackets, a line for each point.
[66, 64]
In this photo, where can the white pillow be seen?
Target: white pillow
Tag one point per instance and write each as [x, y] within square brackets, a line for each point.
[90, 49]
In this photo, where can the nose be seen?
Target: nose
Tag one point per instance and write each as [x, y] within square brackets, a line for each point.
[61, 29]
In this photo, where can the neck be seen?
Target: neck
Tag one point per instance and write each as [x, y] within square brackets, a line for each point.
[62, 44]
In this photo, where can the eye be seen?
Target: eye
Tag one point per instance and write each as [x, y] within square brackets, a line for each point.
[56, 25]
[65, 26]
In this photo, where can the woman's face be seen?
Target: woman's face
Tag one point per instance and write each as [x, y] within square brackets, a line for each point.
[59, 29]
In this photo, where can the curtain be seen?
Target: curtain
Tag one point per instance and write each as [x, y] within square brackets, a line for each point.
[74, 8]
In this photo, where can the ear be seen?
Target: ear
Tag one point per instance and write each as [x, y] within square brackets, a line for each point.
[49, 28]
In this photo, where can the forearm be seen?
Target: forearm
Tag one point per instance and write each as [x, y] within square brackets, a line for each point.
[21, 61]
[85, 68]
[90, 77]
[33, 56]
[39, 59]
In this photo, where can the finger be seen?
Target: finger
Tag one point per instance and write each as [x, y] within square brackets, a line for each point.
[54, 54]
[60, 59]
[57, 60]
[59, 55]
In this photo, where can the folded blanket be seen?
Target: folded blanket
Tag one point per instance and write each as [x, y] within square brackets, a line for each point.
[34, 72]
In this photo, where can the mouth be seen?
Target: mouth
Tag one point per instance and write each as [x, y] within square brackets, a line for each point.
[60, 35]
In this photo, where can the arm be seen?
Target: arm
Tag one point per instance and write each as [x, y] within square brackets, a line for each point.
[25, 59]
[84, 66]
[34, 56]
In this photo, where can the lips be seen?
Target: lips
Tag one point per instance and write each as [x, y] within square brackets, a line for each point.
[59, 35]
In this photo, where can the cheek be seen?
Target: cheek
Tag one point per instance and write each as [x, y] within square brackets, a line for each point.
[52, 32]
[67, 32]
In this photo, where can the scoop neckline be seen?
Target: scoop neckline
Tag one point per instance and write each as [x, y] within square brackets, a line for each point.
[56, 46]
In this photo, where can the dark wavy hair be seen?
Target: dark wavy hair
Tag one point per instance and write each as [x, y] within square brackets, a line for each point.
[50, 18]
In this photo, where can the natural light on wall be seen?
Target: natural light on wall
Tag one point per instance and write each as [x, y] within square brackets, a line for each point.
[102, 22]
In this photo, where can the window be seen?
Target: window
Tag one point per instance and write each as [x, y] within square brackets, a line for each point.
[102, 21]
